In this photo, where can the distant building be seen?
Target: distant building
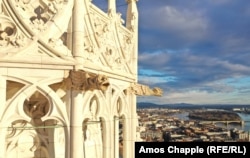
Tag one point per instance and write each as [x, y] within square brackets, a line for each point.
[243, 135]
[237, 109]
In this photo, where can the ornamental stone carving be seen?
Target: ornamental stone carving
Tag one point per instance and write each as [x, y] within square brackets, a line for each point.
[41, 13]
[144, 90]
[45, 20]
[81, 80]
[111, 44]
[92, 54]
[9, 34]
[7, 31]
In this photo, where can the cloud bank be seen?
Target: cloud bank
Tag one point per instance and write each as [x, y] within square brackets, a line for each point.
[197, 52]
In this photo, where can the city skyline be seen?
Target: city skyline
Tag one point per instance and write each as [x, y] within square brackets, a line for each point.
[196, 51]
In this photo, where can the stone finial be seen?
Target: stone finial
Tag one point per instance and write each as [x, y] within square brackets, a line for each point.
[144, 90]
[81, 80]
[129, 1]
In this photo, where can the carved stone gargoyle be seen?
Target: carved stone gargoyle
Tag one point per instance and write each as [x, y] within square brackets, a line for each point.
[81, 80]
[143, 90]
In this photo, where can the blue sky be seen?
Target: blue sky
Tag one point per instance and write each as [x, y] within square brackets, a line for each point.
[197, 51]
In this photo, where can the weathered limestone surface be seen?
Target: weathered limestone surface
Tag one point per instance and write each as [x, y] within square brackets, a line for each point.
[67, 71]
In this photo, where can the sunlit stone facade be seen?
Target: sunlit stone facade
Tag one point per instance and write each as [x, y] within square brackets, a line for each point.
[68, 79]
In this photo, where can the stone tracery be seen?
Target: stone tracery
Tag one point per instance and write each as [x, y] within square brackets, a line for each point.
[115, 50]
[35, 138]
[37, 39]
[24, 142]
[44, 20]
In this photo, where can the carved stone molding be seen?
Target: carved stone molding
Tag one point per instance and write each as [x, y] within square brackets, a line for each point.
[81, 80]
[143, 90]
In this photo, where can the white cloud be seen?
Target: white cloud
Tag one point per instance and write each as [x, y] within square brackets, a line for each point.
[189, 23]
[235, 43]
[235, 67]
[154, 80]
[154, 59]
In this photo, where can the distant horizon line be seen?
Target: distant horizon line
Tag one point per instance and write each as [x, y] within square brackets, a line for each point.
[247, 104]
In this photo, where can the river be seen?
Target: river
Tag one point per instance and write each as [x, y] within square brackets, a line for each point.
[245, 117]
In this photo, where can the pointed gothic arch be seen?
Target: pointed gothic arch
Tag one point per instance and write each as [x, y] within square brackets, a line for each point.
[43, 136]
[119, 101]
[24, 106]
[121, 111]
[99, 97]
[92, 128]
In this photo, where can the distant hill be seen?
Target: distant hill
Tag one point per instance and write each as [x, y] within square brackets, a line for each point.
[152, 105]
[190, 106]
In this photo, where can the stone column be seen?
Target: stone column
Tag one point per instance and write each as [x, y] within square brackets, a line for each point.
[116, 137]
[132, 25]
[107, 138]
[126, 137]
[133, 126]
[132, 15]
[68, 128]
[78, 33]
[112, 5]
[76, 135]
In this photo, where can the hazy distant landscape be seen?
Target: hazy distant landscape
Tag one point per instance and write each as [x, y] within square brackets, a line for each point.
[192, 106]
[194, 122]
